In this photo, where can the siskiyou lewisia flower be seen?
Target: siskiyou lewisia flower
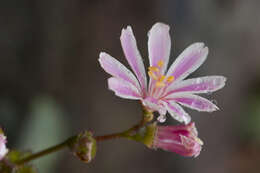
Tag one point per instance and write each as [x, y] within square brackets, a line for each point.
[167, 90]
[3, 148]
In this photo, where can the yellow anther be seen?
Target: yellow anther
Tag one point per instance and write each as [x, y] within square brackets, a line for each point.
[152, 75]
[161, 79]
[152, 68]
[160, 63]
[170, 79]
[159, 84]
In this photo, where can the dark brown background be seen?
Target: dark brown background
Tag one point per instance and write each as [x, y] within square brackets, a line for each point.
[51, 85]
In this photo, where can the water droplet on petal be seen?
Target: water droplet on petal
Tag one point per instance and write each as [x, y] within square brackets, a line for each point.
[162, 118]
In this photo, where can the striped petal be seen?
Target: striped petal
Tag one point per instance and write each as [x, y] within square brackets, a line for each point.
[123, 88]
[3, 148]
[199, 85]
[118, 70]
[159, 45]
[177, 112]
[193, 101]
[154, 105]
[188, 61]
[133, 56]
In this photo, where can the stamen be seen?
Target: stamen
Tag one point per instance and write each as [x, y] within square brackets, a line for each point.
[160, 63]
[160, 84]
[170, 79]
[154, 69]
[152, 75]
[162, 77]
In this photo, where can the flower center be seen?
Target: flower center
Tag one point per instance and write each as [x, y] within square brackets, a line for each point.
[155, 73]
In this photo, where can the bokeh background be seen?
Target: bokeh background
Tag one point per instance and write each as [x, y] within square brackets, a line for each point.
[51, 85]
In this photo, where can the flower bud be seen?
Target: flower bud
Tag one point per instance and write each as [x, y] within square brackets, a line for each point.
[84, 147]
[181, 139]
[3, 141]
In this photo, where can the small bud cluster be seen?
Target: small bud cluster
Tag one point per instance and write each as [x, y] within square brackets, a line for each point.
[84, 147]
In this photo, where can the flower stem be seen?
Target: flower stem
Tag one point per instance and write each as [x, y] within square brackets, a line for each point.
[108, 137]
[46, 151]
[125, 134]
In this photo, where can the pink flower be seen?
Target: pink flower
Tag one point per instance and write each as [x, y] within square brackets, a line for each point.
[3, 149]
[182, 139]
[167, 90]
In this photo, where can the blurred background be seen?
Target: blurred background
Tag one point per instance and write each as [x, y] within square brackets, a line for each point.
[52, 87]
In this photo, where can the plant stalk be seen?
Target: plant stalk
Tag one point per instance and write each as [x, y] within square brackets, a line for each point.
[125, 134]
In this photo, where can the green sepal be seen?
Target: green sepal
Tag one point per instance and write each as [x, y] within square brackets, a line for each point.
[147, 115]
[8, 164]
[146, 135]
[84, 146]
[14, 155]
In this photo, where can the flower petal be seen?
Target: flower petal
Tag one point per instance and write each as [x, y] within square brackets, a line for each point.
[123, 88]
[180, 139]
[116, 69]
[188, 61]
[3, 148]
[205, 84]
[193, 101]
[154, 105]
[159, 45]
[177, 112]
[133, 56]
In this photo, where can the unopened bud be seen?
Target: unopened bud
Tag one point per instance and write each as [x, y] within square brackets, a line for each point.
[84, 147]
[181, 139]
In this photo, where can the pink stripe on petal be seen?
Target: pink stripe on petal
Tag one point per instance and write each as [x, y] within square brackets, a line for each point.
[154, 105]
[116, 69]
[159, 45]
[182, 139]
[188, 61]
[198, 85]
[177, 112]
[133, 56]
[193, 101]
[123, 88]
